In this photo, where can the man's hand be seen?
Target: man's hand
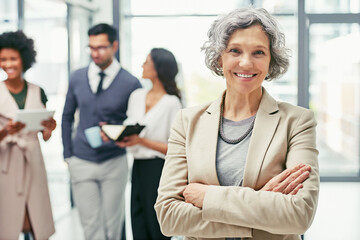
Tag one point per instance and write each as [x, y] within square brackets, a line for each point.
[102, 134]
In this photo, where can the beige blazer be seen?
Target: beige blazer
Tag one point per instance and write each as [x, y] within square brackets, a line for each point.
[283, 136]
[23, 180]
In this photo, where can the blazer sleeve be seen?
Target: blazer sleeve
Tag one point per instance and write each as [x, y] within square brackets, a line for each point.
[273, 212]
[174, 215]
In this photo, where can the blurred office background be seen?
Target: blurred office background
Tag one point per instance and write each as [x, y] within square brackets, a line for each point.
[324, 37]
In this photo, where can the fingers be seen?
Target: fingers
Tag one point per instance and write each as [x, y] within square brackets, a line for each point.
[275, 185]
[194, 193]
[187, 191]
[128, 141]
[297, 188]
[287, 172]
[50, 124]
[3, 133]
[294, 179]
[121, 144]
[14, 127]
[289, 181]
[102, 123]
[296, 182]
[104, 137]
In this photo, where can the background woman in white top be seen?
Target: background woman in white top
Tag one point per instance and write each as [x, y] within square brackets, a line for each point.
[156, 109]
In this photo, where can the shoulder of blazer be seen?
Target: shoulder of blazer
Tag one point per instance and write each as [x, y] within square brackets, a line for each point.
[194, 112]
[191, 116]
[290, 111]
[272, 106]
[209, 108]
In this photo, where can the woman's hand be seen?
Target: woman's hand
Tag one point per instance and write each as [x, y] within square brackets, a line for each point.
[49, 126]
[14, 127]
[3, 133]
[194, 193]
[129, 141]
[289, 181]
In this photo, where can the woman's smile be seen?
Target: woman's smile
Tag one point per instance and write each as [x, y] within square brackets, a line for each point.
[245, 76]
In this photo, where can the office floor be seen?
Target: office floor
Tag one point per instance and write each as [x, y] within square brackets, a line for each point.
[338, 214]
[337, 217]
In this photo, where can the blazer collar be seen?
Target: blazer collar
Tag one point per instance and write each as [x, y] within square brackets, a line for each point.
[265, 125]
[267, 104]
[209, 133]
[214, 108]
[266, 122]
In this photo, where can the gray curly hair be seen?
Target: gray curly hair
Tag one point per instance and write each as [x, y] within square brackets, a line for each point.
[222, 29]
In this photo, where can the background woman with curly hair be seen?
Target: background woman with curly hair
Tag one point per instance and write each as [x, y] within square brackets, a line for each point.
[24, 196]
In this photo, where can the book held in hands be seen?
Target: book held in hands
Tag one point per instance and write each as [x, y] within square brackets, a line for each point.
[118, 132]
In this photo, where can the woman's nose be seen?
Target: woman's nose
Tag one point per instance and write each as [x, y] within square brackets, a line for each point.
[245, 61]
[5, 64]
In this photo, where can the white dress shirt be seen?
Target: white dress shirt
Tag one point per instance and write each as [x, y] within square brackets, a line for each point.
[157, 120]
[110, 74]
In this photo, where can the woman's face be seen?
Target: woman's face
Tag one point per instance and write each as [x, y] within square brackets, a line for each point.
[246, 60]
[149, 71]
[10, 61]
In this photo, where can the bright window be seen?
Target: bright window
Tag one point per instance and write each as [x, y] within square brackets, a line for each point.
[335, 96]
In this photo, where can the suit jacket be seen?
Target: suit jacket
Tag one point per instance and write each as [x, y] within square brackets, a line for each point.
[283, 136]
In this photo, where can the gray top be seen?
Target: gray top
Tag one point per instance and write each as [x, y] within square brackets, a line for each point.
[230, 158]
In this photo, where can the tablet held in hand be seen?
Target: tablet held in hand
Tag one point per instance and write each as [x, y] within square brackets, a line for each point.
[32, 118]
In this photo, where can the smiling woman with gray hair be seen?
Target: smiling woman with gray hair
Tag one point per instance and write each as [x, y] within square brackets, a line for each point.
[244, 166]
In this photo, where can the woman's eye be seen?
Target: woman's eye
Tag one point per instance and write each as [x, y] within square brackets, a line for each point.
[259, 52]
[234, 50]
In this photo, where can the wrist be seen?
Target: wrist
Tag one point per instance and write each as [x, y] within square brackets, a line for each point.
[4, 132]
[141, 141]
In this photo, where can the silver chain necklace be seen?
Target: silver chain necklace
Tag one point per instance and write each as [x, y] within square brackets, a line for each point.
[221, 128]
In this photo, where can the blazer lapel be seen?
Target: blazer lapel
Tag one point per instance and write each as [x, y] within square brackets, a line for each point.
[266, 122]
[210, 131]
